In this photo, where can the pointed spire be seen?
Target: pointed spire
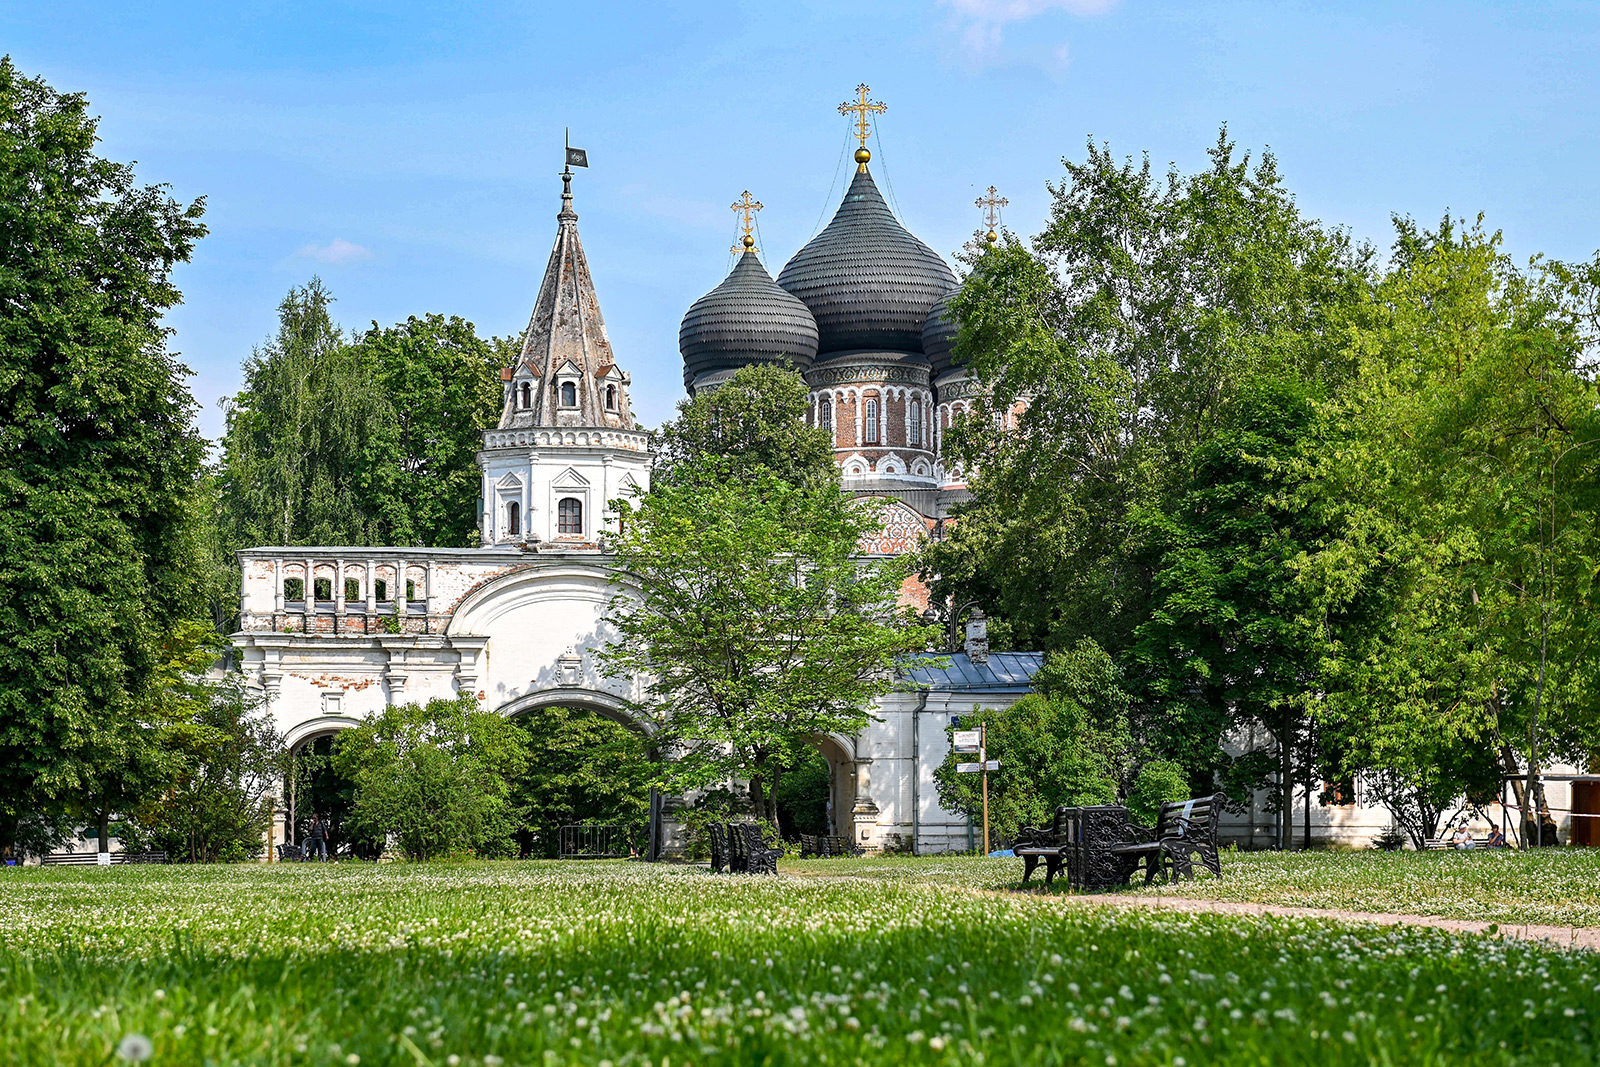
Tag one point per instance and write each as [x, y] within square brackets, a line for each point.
[570, 375]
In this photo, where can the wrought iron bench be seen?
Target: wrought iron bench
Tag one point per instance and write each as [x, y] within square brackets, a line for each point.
[291, 853]
[1184, 829]
[748, 850]
[1079, 844]
[720, 854]
[813, 846]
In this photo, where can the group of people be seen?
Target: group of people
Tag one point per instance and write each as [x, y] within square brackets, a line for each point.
[1463, 838]
[317, 839]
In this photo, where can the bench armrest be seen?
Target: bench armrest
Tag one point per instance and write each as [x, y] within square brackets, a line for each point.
[1033, 837]
[1140, 834]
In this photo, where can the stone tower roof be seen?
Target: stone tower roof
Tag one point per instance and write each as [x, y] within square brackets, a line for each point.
[566, 343]
[746, 319]
[867, 280]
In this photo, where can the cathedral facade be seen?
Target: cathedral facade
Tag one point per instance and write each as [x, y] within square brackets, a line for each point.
[331, 634]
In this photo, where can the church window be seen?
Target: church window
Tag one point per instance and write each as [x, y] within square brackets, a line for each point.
[611, 398]
[381, 588]
[513, 518]
[870, 434]
[569, 516]
[352, 589]
[915, 422]
[527, 396]
[825, 413]
[294, 588]
[569, 394]
[411, 590]
[322, 588]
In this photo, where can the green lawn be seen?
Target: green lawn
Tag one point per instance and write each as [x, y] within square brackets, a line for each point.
[1559, 886]
[884, 961]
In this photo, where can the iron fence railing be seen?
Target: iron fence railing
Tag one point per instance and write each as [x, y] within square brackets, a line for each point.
[599, 842]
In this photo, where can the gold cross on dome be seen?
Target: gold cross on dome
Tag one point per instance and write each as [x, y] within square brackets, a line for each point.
[746, 209]
[991, 205]
[862, 108]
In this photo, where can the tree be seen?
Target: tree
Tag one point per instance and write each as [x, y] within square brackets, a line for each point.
[1066, 743]
[435, 777]
[1142, 308]
[753, 423]
[582, 768]
[441, 387]
[745, 607]
[96, 425]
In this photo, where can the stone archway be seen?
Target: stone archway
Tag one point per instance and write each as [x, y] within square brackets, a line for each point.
[846, 783]
[605, 704]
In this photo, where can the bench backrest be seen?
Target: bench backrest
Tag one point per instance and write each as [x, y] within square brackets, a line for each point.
[1196, 817]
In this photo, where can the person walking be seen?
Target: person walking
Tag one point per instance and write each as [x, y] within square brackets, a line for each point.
[319, 838]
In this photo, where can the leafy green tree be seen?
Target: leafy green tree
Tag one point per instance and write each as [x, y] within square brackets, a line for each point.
[582, 769]
[753, 423]
[436, 777]
[754, 623]
[1066, 743]
[96, 425]
[440, 384]
[1156, 782]
[1142, 307]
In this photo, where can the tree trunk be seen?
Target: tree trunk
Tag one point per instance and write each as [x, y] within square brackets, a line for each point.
[104, 823]
[1285, 787]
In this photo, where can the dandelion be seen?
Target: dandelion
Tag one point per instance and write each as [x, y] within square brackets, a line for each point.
[135, 1048]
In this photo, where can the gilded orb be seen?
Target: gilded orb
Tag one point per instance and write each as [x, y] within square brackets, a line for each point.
[748, 241]
[991, 237]
[862, 155]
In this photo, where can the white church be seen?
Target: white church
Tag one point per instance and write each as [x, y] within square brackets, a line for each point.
[330, 634]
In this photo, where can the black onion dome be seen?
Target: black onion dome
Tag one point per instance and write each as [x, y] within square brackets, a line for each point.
[746, 319]
[868, 281]
[939, 335]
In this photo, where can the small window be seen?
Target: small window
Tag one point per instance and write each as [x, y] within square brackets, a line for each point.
[381, 589]
[514, 518]
[352, 589]
[527, 396]
[411, 590]
[569, 394]
[914, 433]
[825, 413]
[870, 433]
[323, 588]
[569, 516]
[611, 398]
[294, 589]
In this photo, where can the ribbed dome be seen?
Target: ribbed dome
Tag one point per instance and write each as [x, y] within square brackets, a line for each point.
[747, 319]
[939, 335]
[867, 280]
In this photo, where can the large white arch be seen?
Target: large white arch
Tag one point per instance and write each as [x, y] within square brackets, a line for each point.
[599, 701]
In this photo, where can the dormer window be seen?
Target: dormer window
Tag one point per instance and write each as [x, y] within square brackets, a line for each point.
[611, 398]
[525, 396]
[569, 394]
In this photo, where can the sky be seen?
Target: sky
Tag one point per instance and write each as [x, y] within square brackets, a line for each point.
[408, 152]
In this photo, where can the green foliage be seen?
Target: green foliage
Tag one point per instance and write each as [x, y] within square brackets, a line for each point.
[1156, 782]
[101, 456]
[1068, 743]
[437, 777]
[753, 423]
[582, 768]
[803, 795]
[754, 623]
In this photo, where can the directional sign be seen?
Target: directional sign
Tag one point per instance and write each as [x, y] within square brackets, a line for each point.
[966, 740]
[973, 768]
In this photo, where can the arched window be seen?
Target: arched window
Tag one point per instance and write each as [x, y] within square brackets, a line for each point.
[870, 433]
[569, 394]
[825, 413]
[514, 518]
[569, 515]
[611, 398]
[915, 424]
[527, 396]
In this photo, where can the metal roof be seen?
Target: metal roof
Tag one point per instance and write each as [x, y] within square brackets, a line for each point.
[1005, 672]
[746, 319]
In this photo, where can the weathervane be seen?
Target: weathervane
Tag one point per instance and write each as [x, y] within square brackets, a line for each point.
[746, 209]
[991, 205]
[862, 108]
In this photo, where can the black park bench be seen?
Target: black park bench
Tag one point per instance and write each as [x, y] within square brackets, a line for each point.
[742, 848]
[1078, 843]
[823, 845]
[1184, 830]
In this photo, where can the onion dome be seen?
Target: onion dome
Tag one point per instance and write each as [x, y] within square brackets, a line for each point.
[939, 335]
[868, 281]
[747, 319]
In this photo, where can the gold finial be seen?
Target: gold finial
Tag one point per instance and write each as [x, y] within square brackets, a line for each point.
[862, 108]
[991, 205]
[746, 209]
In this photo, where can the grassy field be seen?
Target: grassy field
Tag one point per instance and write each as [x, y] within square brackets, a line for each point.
[1559, 886]
[880, 961]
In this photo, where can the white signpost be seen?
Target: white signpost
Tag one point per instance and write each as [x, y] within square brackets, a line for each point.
[977, 741]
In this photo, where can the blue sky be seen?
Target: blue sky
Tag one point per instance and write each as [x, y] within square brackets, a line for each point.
[407, 152]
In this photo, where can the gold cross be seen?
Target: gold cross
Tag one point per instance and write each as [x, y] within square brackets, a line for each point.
[862, 107]
[991, 205]
[746, 209]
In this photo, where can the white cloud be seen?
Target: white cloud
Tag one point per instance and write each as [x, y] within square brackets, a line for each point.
[337, 251]
[982, 23]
